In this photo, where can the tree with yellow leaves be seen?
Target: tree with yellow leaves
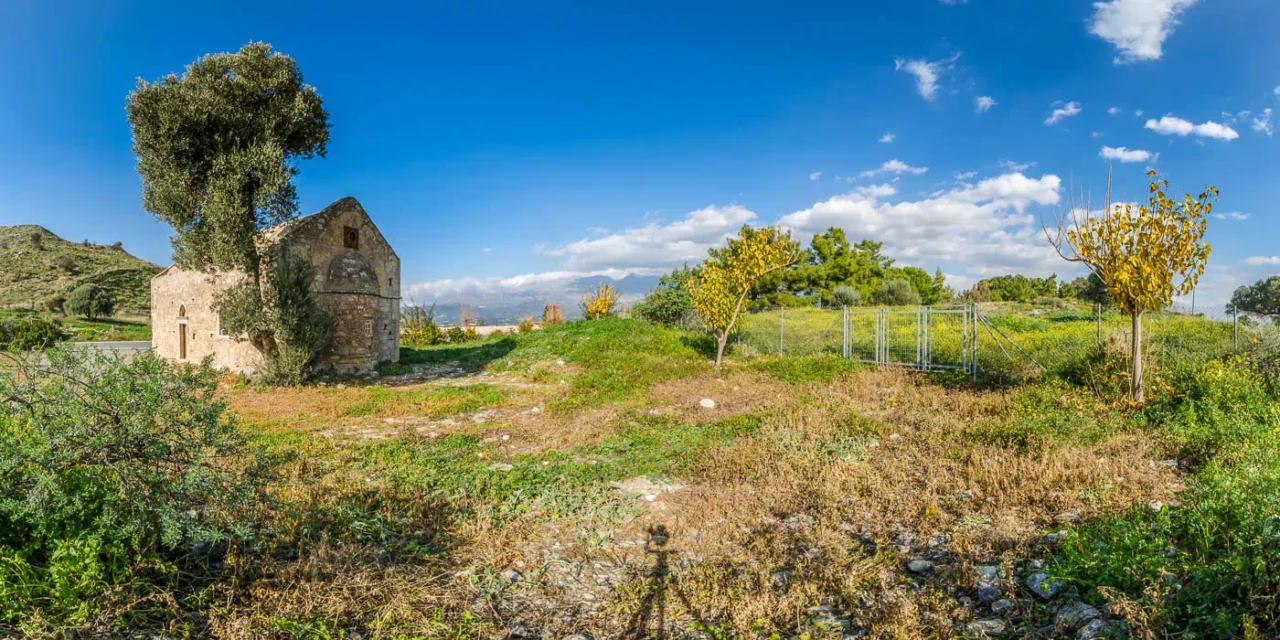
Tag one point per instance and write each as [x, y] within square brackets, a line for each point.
[599, 303]
[720, 288]
[1139, 252]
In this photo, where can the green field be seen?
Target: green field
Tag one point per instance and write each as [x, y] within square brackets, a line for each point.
[573, 480]
[80, 330]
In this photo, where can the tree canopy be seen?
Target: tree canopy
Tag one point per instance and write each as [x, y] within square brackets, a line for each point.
[723, 282]
[216, 148]
[1262, 298]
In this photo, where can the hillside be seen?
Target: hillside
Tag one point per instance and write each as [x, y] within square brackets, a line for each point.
[32, 270]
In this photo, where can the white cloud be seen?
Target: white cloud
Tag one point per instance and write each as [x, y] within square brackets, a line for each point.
[1137, 28]
[1262, 123]
[1065, 111]
[1124, 155]
[893, 166]
[986, 226]
[656, 245]
[813, 177]
[982, 104]
[1114, 111]
[1259, 261]
[1138, 113]
[952, 3]
[1171, 125]
[966, 175]
[887, 137]
[1231, 215]
[486, 249]
[1016, 167]
[927, 73]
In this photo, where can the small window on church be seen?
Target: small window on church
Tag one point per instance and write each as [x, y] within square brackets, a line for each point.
[351, 238]
[222, 329]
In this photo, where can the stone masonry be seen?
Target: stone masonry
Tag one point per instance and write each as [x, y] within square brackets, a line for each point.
[357, 280]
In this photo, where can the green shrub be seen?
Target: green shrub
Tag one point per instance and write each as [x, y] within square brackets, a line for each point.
[67, 264]
[55, 303]
[669, 303]
[418, 327]
[846, 296]
[29, 334]
[897, 293]
[90, 301]
[111, 469]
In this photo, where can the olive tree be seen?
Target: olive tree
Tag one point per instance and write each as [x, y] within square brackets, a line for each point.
[1144, 254]
[217, 150]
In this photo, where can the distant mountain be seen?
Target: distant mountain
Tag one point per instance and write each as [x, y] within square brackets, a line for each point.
[510, 307]
[36, 264]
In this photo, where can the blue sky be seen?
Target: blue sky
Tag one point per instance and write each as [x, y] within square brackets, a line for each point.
[506, 146]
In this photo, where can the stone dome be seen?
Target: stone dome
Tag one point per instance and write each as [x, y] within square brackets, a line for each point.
[350, 273]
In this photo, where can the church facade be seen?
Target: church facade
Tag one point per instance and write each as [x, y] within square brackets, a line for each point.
[357, 281]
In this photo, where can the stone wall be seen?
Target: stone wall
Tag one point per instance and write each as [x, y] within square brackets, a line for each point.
[185, 299]
[357, 280]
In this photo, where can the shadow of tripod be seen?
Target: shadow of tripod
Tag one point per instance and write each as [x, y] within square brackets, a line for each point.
[654, 605]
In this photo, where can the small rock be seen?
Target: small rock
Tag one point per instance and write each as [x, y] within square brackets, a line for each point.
[1043, 586]
[1095, 630]
[902, 541]
[1075, 615]
[1003, 605]
[964, 496]
[560, 362]
[988, 595]
[1067, 517]
[895, 436]
[521, 630]
[512, 576]
[339, 386]
[577, 636]
[500, 466]
[1056, 538]
[920, 566]
[984, 628]
[536, 410]
[1169, 464]
[938, 540]
[707, 403]
[780, 579]
[1155, 506]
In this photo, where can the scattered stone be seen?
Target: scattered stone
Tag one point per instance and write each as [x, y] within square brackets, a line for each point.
[895, 436]
[920, 566]
[1067, 517]
[1056, 538]
[1095, 630]
[500, 466]
[1155, 506]
[577, 636]
[642, 486]
[512, 576]
[984, 628]
[521, 630]
[1043, 586]
[1002, 606]
[780, 579]
[939, 539]
[964, 496]
[339, 386]
[1075, 615]
[1169, 464]
[560, 362]
[536, 410]
[988, 584]
[707, 403]
[902, 541]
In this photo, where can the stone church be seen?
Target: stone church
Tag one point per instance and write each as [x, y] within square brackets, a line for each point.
[357, 281]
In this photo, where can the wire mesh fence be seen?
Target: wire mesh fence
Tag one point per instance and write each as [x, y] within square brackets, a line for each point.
[994, 338]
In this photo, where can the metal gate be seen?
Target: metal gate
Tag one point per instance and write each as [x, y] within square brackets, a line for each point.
[922, 338]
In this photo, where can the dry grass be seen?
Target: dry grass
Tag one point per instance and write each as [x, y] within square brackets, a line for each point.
[836, 483]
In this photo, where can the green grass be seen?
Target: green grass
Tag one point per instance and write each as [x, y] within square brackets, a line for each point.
[436, 402]
[80, 330]
[616, 359]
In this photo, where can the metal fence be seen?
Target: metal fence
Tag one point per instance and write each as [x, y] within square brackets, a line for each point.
[923, 338]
